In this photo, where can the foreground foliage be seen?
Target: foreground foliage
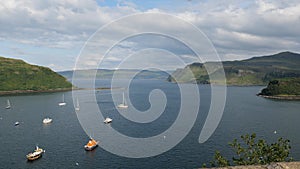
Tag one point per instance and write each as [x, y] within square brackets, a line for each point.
[251, 151]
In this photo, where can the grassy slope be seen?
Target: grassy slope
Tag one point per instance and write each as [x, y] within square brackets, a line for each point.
[18, 75]
[254, 71]
[282, 87]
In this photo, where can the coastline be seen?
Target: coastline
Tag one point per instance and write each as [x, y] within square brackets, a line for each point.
[21, 92]
[284, 97]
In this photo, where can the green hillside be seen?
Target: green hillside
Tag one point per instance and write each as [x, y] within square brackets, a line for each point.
[16, 75]
[254, 71]
[282, 87]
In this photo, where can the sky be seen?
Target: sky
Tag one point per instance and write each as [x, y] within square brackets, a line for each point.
[54, 33]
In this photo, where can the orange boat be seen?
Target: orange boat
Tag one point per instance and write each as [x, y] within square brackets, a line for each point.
[91, 145]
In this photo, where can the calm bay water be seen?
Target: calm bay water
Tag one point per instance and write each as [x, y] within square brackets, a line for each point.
[63, 140]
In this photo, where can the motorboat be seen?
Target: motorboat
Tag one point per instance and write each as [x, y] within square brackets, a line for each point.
[107, 120]
[91, 145]
[47, 120]
[35, 155]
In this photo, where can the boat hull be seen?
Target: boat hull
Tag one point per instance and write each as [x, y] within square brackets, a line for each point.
[35, 155]
[107, 120]
[62, 104]
[90, 148]
[34, 158]
[122, 106]
[47, 121]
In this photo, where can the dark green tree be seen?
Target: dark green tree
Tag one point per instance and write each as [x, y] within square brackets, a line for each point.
[219, 160]
[251, 151]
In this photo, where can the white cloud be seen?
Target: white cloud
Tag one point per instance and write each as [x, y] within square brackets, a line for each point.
[238, 29]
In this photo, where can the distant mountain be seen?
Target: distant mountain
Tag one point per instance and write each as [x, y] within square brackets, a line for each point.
[122, 73]
[17, 76]
[254, 71]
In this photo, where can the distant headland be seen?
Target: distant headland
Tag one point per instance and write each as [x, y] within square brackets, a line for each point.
[285, 89]
[19, 77]
[254, 71]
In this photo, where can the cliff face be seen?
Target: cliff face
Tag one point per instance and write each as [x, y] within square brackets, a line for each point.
[17, 75]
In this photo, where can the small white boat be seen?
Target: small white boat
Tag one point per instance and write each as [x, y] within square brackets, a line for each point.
[17, 123]
[47, 120]
[8, 104]
[107, 120]
[123, 104]
[35, 155]
[77, 108]
[63, 103]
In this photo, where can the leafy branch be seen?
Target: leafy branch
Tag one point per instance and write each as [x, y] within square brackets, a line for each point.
[251, 151]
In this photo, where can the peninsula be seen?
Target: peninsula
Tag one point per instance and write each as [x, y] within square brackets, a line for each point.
[286, 89]
[17, 76]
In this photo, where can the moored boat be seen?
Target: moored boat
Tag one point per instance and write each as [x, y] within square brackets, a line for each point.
[123, 104]
[35, 155]
[77, 108]
[8, 105]
[91, 145]
[47, 120]
[63, 103]
[107, 120]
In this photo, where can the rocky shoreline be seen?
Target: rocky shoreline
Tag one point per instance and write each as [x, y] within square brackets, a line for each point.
[287, 97]
[18, 92]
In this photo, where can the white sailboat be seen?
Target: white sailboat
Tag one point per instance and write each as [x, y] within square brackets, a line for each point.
[123, 104]
[77, 108]
[8, 105]
[63, 103]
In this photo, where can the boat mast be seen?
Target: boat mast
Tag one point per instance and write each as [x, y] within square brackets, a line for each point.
[123, 99]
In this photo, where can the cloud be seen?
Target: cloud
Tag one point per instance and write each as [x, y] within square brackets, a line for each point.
[260, 27]
[238, 29]
[54, 23]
